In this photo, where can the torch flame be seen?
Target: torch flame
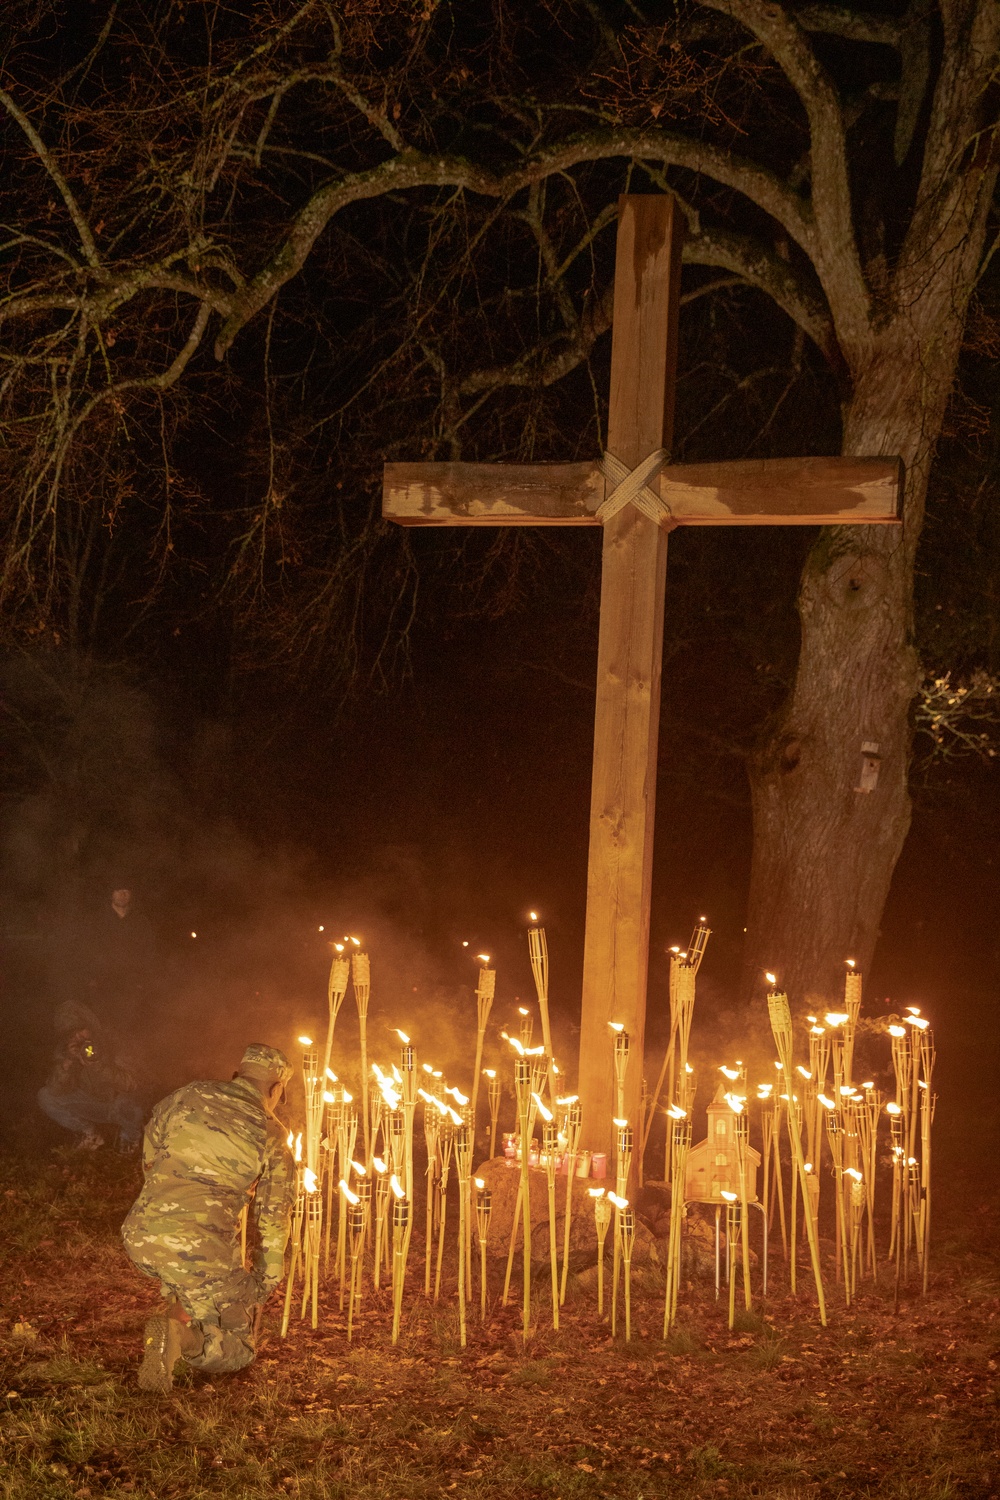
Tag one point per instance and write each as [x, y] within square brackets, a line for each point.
[729, 1197]
[305, 1041]
[618, 1026]
[403, 1037]
[545, 1113]
[771, 978]
[480, 1182]
[826, 1103]
[351, 1197]
[379, 1164]
[309, 1179]
[397, 1186]
[731, 1073]
[836, 1018]
[897, 1030]
[617, 1201]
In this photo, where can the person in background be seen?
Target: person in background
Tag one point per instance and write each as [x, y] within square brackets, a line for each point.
[88, 1085]
[210, 1150]
[120, 958]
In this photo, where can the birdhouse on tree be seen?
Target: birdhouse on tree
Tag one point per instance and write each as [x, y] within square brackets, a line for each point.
[713, 1166]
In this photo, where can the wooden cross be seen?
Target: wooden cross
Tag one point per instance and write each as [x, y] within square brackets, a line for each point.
[773, 492]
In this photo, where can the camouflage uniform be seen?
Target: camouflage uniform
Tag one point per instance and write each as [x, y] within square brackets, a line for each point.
[206, 1147]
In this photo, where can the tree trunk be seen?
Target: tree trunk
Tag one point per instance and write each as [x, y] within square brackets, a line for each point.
[831, 808]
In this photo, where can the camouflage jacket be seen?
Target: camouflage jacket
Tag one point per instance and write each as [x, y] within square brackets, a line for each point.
[206, 1146]
[88, 1067]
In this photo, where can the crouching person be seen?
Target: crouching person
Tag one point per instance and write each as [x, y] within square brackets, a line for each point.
[89, 1085]
[209, 1150]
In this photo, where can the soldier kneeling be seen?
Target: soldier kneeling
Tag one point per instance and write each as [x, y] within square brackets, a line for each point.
[210, 1149]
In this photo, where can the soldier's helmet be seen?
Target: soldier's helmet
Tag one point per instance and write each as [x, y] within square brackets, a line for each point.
[262, 1061]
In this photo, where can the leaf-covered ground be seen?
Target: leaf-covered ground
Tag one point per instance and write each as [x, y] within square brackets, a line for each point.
[899, 1405]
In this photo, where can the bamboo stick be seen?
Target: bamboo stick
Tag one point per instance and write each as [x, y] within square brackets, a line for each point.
[628, 1242]
[493, 1094]
[602, 1218]
[781, 1026]
[484, 1004]
[538, 950]
[362, 974]
[550, 1147]
[400, 1240]
[463, 1163]
[484, 1212]
[574, 1121]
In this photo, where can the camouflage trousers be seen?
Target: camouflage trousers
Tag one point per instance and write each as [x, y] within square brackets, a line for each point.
[221, 1300]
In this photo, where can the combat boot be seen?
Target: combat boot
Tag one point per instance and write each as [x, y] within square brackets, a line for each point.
[162, 1350]
[167, 1339]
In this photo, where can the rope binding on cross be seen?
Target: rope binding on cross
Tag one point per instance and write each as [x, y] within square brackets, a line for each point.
[632, 487]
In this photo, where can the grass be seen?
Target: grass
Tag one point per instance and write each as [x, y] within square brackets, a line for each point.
[902, 1406]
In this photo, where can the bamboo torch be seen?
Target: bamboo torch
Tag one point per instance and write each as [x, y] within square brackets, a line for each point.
[781, 1026]
[574, 1121]
[336, 989]
[493, 1096]
[680, 1127]
[683, 973]
[602, 1218]
[400, 1237]
[538, 950]
[927, 1101]
[522, 1083]
[346, 1136]
[355, 1216]
[433, 1111]
[550, 1148]
[737, 1104]
[484, 1212]
[463, 1163]
[627, 1221]
[857, 1210]
[625, 1145]
[295, 1236]
[619, 1204]
[485, 992]
[381, 1207]
[362, 972]
[446, 1143]
[622, 1046]
[732, 1231]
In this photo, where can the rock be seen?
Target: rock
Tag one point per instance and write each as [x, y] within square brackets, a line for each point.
[503, 1181]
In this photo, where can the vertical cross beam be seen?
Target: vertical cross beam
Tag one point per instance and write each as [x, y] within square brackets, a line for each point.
[630, 651]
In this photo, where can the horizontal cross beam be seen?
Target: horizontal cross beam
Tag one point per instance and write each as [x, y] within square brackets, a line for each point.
[747, 492]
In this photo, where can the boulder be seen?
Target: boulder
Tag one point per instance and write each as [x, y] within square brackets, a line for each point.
[503, 1180]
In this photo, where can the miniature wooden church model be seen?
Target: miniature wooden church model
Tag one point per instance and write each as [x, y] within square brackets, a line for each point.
[713, 1166]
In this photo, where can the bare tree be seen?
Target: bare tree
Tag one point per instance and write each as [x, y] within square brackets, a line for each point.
[435, 192]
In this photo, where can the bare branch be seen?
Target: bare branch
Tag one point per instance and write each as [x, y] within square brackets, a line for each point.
[761, 267]
[836, 257]
[41, 151]
[856, 27]
[412, 169]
